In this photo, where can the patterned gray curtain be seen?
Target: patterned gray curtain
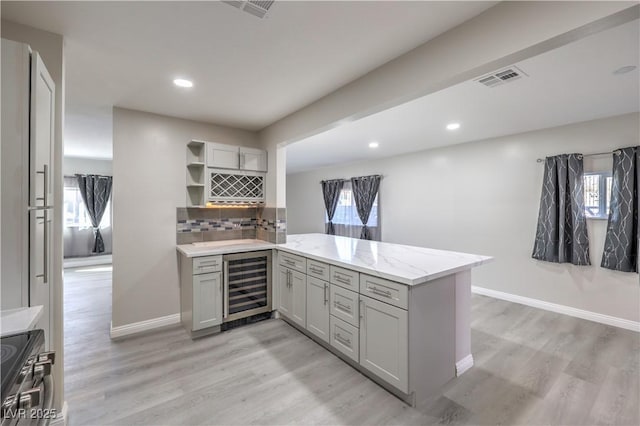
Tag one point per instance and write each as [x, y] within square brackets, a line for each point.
[365, 189]
[331, 194]
[561, 236]
[621, 241]
[95, 191]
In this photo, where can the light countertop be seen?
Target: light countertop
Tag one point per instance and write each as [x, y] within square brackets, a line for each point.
[211, 248]
[19, 319]
[410, 265]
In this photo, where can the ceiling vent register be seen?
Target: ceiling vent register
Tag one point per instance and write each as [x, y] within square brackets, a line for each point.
[506, 75]
[236, 188]
[257, 8]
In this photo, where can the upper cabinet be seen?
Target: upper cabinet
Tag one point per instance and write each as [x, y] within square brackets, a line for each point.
[222, 156]
[253, 159]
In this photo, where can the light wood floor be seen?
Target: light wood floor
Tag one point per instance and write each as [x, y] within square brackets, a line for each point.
[532, 367]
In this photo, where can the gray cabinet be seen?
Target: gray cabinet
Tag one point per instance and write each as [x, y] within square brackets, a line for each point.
[345, 305]
[201, 294]
[318, 308]
[222, 156]
[344, 338]
[292, 297]
[253, 159]
[207, 300]
[384, 342]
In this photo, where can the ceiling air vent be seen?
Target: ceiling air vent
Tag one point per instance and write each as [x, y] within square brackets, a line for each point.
[257, 8]
[503, 76]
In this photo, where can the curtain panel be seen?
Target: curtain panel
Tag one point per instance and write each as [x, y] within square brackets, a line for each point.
[331, 195]
[365, 190]
[561, 235]
[95, 191]
[621, 240]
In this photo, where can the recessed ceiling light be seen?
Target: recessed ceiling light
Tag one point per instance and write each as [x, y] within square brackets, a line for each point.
[181, 82]
[453, 126]
[624, 69]
[374, 145]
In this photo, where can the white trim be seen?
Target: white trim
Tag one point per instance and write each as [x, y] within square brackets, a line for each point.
[139, 327]
[464, 364]
[561, 309]
[62, 418]
[74, 262]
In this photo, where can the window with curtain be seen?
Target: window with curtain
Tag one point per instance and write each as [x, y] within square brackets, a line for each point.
[597, 194]
[75, 212]
[346, 221]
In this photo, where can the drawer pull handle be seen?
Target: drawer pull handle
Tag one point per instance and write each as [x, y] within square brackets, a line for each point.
[289, 262]
[346, 308]
[207, 264]
[376, 290]
[316, 270]
[342, 280]
[342, 340]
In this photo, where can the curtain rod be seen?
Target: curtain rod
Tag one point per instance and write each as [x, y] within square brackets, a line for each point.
[616, 152]
[345, 180]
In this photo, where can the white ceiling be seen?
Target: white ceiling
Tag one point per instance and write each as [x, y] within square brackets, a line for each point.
[570, 84]
[247, 72]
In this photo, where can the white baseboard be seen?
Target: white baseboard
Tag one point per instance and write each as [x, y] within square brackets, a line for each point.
[561, 309]
[75, 262]
[139, 327]
[464, 364]
[62, 418]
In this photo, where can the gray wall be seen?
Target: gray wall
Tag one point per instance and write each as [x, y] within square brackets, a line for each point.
[482, 197]
[149, 157]
[79, 242]
[51, 47]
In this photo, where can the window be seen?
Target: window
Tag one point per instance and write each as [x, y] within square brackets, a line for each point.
[597, 194]
[346, 220]
[75, 212]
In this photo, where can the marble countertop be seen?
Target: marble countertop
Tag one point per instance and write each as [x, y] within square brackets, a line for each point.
[211, 248]
[19, 319]
[410, 265]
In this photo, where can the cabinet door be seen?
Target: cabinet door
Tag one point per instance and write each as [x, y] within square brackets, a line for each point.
[384, 342]
[207, 300]
[253, 159]
[299, 298]
[223, 156]
[318, 308]
[284, 291]
[40, 268]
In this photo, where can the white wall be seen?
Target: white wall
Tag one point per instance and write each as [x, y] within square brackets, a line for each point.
[51, 48]
[73, 165]
[149, 158]
[483, 197]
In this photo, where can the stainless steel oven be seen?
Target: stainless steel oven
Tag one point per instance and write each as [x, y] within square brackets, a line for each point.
[247, 284]
[27, 382]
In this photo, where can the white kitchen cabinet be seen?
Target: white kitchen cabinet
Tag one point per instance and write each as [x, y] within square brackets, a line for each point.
[253, 159]
[299, 298]
[201, 294]
[284, 292]
[207, 300]
[222, 156]
[384, 342]
[344, 338]
[345, 305]
[318, 308]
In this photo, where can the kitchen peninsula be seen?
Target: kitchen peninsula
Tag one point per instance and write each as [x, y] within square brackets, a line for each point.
[399, 314]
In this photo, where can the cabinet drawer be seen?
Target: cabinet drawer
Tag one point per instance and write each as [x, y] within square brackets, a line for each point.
[345, 305]
[384, 290]
[344, 278]
[207, 264]
[293, 261]
[318, 269]
[345, 338]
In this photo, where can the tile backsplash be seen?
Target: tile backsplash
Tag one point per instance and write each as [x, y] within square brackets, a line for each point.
[218, 224]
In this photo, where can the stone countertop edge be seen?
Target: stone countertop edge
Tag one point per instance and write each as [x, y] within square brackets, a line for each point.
[20, 319]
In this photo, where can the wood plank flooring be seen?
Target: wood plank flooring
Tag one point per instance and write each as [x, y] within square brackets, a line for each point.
[531, 367]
